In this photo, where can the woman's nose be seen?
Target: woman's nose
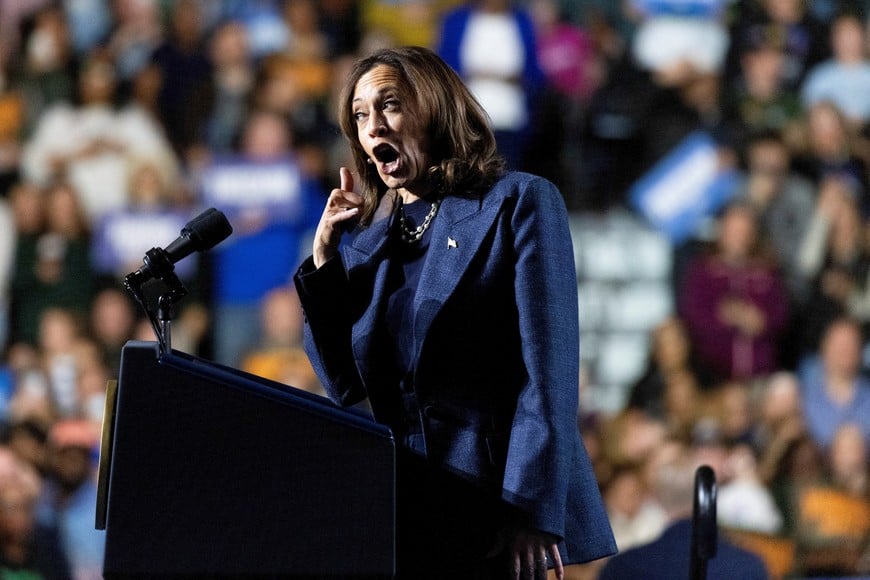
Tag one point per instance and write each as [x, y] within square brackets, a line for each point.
[377, 125]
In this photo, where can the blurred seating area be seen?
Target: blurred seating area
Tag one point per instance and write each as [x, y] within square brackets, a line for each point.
[714, 156]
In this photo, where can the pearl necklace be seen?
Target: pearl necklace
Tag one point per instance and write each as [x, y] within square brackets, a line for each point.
[410, 236]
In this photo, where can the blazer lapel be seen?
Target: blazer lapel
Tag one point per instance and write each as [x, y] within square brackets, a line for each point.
[456, 239]
[367, 243]
[457, 234]
[365, 263]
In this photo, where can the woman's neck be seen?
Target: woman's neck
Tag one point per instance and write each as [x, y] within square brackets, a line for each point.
[418, 193]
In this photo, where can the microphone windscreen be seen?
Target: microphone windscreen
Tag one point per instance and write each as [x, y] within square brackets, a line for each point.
[207, 230]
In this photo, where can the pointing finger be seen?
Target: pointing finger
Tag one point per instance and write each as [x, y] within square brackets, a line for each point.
[346, 179]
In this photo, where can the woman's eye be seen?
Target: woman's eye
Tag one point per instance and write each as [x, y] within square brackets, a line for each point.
[359, 116]
[391, 105]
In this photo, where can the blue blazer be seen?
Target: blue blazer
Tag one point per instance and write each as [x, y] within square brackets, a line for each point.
[496, 345]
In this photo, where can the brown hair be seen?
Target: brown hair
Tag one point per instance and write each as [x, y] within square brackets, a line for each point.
[462, 145]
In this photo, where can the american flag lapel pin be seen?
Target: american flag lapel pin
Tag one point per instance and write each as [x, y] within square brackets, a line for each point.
[451, 243]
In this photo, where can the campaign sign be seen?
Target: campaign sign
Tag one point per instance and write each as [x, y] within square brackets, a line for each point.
[240, 187]
[684, 188]
[122, 238]
[684, 8]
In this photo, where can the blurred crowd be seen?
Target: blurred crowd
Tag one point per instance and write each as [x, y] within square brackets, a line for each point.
[121, 119]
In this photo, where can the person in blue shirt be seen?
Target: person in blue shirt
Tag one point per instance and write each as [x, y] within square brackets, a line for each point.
[834, 391]
[844, 79]
[274, 208]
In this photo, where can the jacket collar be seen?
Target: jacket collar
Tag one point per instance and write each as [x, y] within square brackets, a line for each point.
[457, 235]
[453, 211]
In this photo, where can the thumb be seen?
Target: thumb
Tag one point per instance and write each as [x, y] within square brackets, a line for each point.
[346, 179]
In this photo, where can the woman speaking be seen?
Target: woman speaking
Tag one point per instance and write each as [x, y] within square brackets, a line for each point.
[452, 308]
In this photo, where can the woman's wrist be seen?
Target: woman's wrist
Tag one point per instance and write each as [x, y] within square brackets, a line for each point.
[321, 256]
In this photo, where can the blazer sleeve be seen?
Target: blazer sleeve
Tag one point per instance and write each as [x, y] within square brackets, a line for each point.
[544, 430]
[324, 293]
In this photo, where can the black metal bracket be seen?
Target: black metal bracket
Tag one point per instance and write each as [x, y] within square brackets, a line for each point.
[158, 266]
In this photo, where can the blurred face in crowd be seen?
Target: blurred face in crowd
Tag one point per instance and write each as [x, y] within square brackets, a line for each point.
[266, 136]
[27, 440]
[781, 399]
[841, 349]
[784, 11]
[769, 158]
[741, 463]
[763, 71]
[671, 345]
[230, 45]
[282, 317]
[146, 86]
[63, 212]
[302, 16]
[57, 331]
[737, 235]
[48, 44]
[666, 452]
[97, 81]
[135, 11]
[70, 444]
[28, 208]
[71, 466]
[186, 21]
[768, 162]
[16, 514]
[112, 317]
[146, 187]
[390, 132]
[19, 488]
[626, 493]
[847, 39]
[827, 128]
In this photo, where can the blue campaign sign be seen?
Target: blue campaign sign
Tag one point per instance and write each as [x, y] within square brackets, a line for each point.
[684, 188]
[687, 8]
[238, 185]
[121, 239]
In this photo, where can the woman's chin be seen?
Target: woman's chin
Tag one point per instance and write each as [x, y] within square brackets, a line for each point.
[393, 181]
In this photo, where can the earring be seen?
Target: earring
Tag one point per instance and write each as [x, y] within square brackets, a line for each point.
[369, 161]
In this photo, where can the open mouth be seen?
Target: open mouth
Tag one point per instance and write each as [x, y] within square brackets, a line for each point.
[387, 156]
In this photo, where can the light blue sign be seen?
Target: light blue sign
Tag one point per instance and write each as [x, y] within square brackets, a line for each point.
[684, 188]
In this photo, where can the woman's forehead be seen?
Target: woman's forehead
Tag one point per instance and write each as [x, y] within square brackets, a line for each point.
[377, 80]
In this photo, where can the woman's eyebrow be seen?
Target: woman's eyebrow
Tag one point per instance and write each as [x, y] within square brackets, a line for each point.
[380, 92]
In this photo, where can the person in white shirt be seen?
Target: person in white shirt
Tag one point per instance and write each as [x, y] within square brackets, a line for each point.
[845, 79]
[91, 145]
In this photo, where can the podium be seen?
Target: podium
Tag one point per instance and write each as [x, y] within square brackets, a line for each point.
[206, 471]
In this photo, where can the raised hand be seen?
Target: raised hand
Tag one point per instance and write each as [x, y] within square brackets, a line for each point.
[342, 205]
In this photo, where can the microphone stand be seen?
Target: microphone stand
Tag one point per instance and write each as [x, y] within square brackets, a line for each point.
[705, 530]
[160, 266]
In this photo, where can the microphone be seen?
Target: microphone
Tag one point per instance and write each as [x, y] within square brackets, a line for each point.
[202, 233]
